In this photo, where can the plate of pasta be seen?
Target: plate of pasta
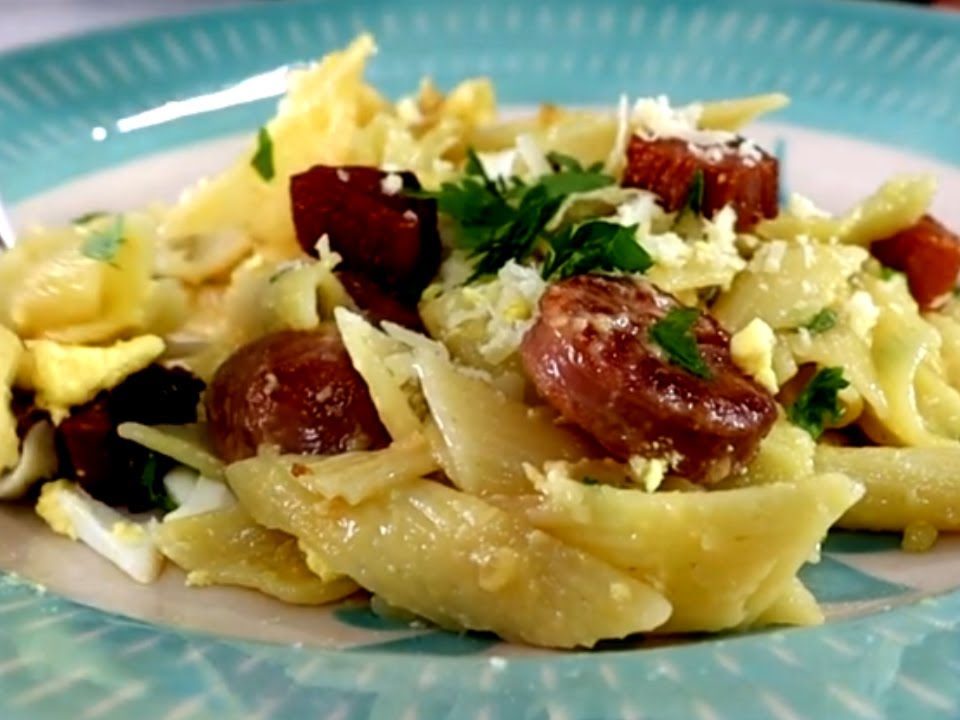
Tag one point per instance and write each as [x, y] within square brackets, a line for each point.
[485, 360]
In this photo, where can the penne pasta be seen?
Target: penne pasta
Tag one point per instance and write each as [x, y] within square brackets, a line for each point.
[456, 560]
[487, 437]
[737, 113]
[903, 485]
[227, 547]
[658, 537]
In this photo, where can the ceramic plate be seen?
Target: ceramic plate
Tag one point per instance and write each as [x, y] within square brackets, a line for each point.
[126, 117]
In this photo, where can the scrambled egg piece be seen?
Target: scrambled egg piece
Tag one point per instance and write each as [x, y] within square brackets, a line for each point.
[65, 375]
[752, 351]
[11, 351]
[862, 314]
[70, 511]
[649, 472]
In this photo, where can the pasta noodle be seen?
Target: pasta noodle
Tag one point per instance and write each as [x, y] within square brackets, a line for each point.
[458, 561]
[658, 537]
[903, 485]
[226, 547]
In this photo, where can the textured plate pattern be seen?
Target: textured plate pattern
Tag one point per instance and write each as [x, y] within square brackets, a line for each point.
[81, 105]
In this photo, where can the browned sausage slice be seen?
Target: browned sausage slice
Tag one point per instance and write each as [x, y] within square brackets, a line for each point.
[377, 229]
[590, 356]
[749, 181]
[296, 390]
[929, 254]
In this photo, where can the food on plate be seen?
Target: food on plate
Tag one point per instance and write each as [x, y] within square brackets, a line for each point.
[566, 378]
[295, 390]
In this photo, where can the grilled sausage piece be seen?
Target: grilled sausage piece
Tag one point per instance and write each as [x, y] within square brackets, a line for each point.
[376, 304]
[296, 390]
[117, 471]
[377, 229]
[749, 181]
[590, 355]
[929, 254]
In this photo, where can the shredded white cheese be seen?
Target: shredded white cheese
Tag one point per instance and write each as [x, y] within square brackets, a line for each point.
[391, 184]
[533, 156]
[803, 207]
[656, 118]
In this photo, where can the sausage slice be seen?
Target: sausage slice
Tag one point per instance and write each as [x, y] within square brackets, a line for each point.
[378, 230]
[296, 390]
[929, 254]
[590, 356]
[749, 181]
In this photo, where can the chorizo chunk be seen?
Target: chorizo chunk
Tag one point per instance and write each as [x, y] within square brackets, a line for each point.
[378, 230]
[929, 254]
[667, 167]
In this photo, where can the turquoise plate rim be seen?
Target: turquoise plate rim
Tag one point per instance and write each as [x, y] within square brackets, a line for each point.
[897, 662]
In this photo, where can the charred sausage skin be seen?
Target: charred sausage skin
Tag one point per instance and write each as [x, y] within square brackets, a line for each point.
[667, 167]
[295, 390]
[378, 230]
[591, 357]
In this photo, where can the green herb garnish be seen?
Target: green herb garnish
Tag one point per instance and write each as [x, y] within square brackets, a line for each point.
[104, 244]
[824, 320]
[818, 403]
[595, 245]
[588, 480]
[674, 333]
[151, 478]
[888, 273]
[694, 201]
[499, 220]
[262, 160]
[89, 217]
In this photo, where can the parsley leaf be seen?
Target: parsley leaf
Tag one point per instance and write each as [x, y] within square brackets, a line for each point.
[694, 201]
[595, 245]
[558, 161]
[818, 402]
[888, 273]
[262, 160]
[151, 477]
[824, 320]
[673, 333]
[499, 220]
[89, 217]
[104, 244]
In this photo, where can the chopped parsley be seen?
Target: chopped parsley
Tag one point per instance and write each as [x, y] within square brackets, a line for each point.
[818, 403]
[588, 480]
[595, 245]
[103, 245]
[674, 333]
[824, 320]
[89, 217]
[888, 273]
[262, 160]
[499, 219]
[151, 478]
[694, 201]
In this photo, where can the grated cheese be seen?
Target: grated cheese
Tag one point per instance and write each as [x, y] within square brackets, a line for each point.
[391, 184]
